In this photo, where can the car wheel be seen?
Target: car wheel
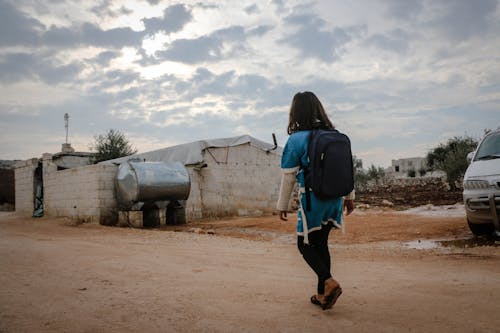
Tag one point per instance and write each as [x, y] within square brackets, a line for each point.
[481, 229]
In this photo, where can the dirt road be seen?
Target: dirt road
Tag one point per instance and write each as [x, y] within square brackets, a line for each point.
[248, 277]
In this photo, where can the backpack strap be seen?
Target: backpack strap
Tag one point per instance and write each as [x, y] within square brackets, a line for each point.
[307, 184]
[308, 195]
[305, 228]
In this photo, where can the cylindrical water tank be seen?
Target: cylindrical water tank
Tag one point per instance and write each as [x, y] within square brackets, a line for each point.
[151, 181]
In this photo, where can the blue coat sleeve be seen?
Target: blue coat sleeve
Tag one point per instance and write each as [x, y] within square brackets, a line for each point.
[294, 152]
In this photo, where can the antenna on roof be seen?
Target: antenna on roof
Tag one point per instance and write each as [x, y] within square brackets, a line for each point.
[66, 147]
[66, 125]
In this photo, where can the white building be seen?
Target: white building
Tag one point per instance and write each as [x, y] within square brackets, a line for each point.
[236, 176]
[403, 165]
[399, 168]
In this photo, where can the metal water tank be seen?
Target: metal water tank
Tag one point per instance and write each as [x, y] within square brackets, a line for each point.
[139, 183]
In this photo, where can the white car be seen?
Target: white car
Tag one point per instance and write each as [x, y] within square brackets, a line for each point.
[482, 186]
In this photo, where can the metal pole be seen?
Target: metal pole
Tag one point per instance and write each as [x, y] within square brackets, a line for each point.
[66, 125]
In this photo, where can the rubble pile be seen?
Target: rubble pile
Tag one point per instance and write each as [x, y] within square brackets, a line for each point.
[407, 195]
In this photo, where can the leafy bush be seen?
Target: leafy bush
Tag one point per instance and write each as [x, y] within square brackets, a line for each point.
[111, 145]
[452, 158]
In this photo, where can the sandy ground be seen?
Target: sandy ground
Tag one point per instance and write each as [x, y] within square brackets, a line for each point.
[247, 277]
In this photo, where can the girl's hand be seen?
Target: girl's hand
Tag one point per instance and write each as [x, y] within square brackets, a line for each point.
[349, 206]
[283, 216]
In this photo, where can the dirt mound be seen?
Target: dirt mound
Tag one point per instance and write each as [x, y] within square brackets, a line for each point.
[407, 196]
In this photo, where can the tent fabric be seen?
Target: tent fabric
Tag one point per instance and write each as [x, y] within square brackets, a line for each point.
[192, 153]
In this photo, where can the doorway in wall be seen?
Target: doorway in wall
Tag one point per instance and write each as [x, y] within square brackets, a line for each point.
[38, 191]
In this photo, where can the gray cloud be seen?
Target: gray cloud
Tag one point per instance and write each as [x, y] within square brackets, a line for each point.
[312, 40]
[118, 78]
[251, 85]
[260, 30]
[232, 33]
[117, 37]
[251, 9]
[462, 19]
[91, 114]
[123, 11]
[17, 28]
[404, 10]
[91, 35]
[173, 19]
[103, 9]
[54, 73]
[280, 5]
[192, 51]
[202, 74]
[105, 57]
[210, 47]
[210, 84]
[395, 40]
[236, 89]
[16, 67]
[100, 97]
[61, 37]
[204, 5]
[176, 114]
[240, 91]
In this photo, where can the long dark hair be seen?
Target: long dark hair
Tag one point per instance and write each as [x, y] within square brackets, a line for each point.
[306, 113]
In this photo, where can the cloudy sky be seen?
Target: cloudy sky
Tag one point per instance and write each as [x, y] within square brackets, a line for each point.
[399, 77]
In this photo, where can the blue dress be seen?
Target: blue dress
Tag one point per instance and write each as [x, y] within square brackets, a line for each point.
[322, 211]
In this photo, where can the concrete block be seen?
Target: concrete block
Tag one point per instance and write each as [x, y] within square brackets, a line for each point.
[130, 218]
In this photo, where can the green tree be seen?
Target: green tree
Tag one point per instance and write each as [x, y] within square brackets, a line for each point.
[412, 173]
[376, 173]
[452, 158]
[360, 175]
[111, 145]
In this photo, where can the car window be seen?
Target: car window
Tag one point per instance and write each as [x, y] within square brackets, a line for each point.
[490, 147]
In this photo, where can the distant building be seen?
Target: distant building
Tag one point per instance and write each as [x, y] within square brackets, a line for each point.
[399, 168]
[403, 165]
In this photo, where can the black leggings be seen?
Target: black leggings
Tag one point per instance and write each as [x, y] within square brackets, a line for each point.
[317, 255]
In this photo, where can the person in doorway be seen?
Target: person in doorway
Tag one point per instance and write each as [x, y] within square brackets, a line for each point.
[306, 114]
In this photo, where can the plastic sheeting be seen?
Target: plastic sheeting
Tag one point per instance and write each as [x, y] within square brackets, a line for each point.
[192, 153]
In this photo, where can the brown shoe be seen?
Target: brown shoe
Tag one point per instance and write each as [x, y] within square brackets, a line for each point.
[331, 298]
[316, 301]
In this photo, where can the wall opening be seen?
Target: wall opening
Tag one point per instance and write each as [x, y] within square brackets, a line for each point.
[38, 191]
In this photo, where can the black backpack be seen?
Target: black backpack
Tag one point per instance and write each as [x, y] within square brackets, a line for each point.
[330, 173]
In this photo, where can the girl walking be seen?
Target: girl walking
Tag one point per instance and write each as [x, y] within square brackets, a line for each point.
[314, 225]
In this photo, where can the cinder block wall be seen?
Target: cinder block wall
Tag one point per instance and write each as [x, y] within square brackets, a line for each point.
[84, 194]
[239, 181]
[193, 204]
[24, 186]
